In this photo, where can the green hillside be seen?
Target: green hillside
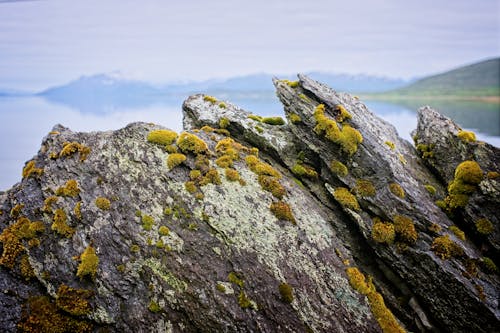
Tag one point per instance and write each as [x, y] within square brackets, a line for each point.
[477, 80]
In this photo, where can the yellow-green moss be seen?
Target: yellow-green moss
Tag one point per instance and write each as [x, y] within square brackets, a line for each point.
[384, 316]
[484, 226]
[348, 138]
[223, 122]
[425, 150]
[30, 170]
[222, 105]
[346, 199]
[225, 161]
[402, 159]
[89, 261]
[259, 129]
[303, 170]
[134, 248]
[364, 188]
[147, 222]
[273, 121]
[175, 159]
[102, 203]
[488, 265]
[445, 248]
[286, 292]
[304, 98]
[16, 210]
[434, 228]
[211, 177]
[220, 287]
[235, 278]
[467, 136]
[282, 211]
[271, 184]
[291, 84]
[211, 99]
[162, 137]
[60, 224]
[295, 118]
[405, 229]
[194, 174]
[164, 231]
[154, 307]
[244, 301]
[341, 114]
[390, 144]
[190, 186]
[78, 210]
[469, 172]
[41, 315]
[73, 301]
[232, 175]
[70, 148]
[339, 168]
[457, 231]
[12, 236]
[431, 189]
[69, 189]
[383, 232]
[190, 143]
[397, 190]
[255, 117]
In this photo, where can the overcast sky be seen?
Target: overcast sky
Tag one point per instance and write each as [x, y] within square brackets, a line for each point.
[43, 43]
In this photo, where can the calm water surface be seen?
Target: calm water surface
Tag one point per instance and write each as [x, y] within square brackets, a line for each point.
[26, 120]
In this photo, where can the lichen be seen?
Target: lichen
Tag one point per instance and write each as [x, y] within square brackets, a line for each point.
[434, 228]
[16, 211]
[286, 292]
[89, 261]
[445, 248]
[466, 136]
[405, 229]
[26, 269]
[457, 231]
[364, 188]
[232, 175]
[190, 143]
[493, 175]
[484, 226]
[282, 211]
[425, 150]
[397, 190]
[236, 278]
[271, 184]
[211, 177]
[346, 198]
[273, 121]
[70, 148]
[78, 210]
[30, 170]
[383, 232]
[134, 248]
[102, 203]
[175, 159]
[41, 315]
[73, 301]
[69, 189]
[339, 168]
[384, 316]
[60, 224]
[190, 186]
[48, 202]
[162, 137]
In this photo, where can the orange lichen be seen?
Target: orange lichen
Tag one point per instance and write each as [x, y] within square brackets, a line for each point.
[73, 301]
[12, 236]
[70, 148]
[69, 189]
[48, 202]
[78, 210]
[30, 170]
[89, 262]
[60, 224]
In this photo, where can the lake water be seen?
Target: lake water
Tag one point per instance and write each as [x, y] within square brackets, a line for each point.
[26, 120]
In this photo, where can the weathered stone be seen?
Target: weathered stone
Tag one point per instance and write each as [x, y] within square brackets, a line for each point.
[219, 263]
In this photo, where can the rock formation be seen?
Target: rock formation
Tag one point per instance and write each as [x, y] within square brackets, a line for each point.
[326, 223]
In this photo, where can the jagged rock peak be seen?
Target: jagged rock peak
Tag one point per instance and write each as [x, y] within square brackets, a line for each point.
[249, 223]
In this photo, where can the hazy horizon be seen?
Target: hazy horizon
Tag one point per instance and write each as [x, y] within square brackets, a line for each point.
[48, 43]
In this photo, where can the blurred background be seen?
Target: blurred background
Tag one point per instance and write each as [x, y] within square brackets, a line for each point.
[99, 65]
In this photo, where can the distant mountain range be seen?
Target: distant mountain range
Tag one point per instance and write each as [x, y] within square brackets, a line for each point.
[481, 79]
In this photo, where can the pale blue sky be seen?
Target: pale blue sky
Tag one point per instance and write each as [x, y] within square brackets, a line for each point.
[48, 42]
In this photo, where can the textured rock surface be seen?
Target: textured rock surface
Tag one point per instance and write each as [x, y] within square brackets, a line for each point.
[233, 257]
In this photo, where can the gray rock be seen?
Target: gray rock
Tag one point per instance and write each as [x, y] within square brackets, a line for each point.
[233, 255]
